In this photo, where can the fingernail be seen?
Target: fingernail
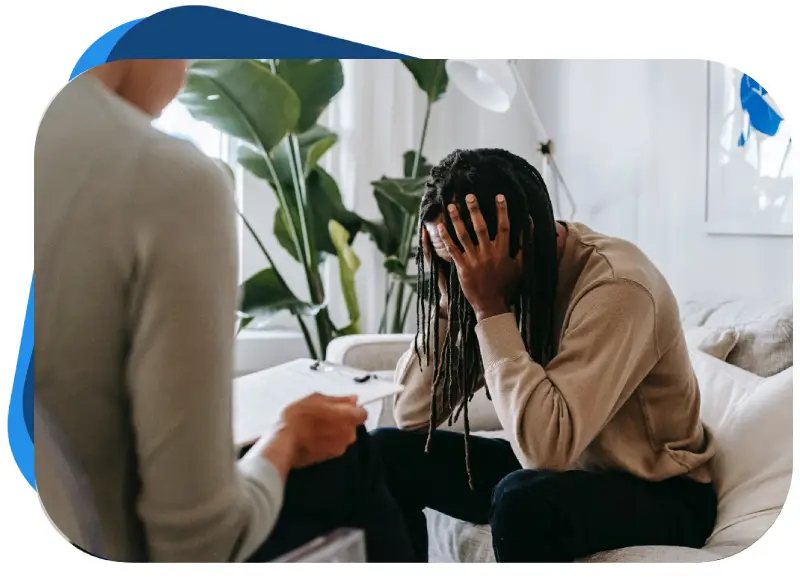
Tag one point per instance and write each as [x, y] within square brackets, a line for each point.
[470, 198]
[501, 198]
[452, 208]
[441, 228]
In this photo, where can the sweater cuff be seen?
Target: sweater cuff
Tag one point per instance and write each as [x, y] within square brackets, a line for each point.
[264, 473]
[499, 340]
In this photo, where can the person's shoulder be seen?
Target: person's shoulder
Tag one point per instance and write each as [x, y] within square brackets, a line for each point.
[173, 171]
[622, 279]
[615, 260]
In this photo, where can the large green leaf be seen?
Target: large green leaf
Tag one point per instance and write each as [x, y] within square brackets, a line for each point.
[430, 76]
[242, 98]
[386, 234]
[264, 294]
[325, 204]
[348, 266]
[406, 192]
[316, 82]
[313, 144]
[386, 241]
[423, 168]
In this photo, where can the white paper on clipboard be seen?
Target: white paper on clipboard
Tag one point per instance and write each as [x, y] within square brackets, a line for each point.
[259, 398]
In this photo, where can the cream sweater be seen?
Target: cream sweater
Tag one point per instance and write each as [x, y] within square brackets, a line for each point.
[620, 393]
[136, 267]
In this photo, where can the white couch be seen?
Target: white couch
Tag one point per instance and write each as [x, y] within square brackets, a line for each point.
[742, 355]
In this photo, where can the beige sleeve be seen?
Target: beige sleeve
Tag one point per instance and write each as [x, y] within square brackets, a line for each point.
[552, 414]
[412, 407]
[196, 502]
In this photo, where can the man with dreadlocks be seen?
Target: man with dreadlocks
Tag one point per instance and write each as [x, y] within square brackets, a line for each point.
[577, 339]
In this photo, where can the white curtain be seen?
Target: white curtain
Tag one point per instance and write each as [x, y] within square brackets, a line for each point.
[378, 116]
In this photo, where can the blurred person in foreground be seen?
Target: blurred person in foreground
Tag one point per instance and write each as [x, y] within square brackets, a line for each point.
[577, 340]
[135, 299]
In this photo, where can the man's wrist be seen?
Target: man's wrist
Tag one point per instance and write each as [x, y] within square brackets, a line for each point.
[492, 309]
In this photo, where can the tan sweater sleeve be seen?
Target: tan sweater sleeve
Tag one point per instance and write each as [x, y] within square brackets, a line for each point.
[552, 414]
[197, 504]
[412, 407]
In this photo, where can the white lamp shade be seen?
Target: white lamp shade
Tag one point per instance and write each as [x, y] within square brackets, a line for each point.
[489, 83]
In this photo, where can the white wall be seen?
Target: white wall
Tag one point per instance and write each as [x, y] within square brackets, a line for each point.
[631, 140]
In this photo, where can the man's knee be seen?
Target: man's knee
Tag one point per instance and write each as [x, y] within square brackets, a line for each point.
[525, 511]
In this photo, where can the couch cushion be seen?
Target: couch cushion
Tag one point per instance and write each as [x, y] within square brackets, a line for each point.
[753, 466]
[716, 342]
[765, 331]
[722, 386]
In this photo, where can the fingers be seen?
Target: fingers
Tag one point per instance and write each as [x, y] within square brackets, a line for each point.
[478, 223]
[461, 231]
[452, 249]
[350, 399]
[503, 225]
[348, 410]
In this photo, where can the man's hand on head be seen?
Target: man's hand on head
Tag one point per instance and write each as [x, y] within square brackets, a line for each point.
[487, 273]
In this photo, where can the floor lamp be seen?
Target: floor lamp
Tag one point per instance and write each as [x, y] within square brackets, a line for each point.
[492, 84]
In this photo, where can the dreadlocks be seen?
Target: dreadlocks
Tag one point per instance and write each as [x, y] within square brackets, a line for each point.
[457, 366]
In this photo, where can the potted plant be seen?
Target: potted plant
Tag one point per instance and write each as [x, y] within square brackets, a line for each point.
[272, 107]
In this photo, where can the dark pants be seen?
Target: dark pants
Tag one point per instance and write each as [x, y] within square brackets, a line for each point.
[344, 492]
[538, 516]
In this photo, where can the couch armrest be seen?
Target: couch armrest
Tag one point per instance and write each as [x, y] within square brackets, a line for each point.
[373, 352]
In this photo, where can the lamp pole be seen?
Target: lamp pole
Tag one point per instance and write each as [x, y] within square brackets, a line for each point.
[545, 144]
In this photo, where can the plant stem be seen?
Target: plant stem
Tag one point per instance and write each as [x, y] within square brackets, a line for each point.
[423, 136]
[315, 286]
[307, 335]
[407, 309]
[389, 288]
[311, 349]
[409, 231]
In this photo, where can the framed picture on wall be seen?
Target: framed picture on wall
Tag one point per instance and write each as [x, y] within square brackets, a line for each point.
[749, 174]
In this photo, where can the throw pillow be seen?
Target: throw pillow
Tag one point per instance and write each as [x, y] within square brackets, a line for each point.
[752, 469]
[716, 342]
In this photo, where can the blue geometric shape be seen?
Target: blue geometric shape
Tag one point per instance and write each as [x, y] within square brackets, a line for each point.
[185, 32]
[761, 116]
[98, 52]
[204, 32]
[20, 425]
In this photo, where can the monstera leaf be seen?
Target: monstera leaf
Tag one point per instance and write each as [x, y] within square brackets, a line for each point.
[242, 98]
[316, 82]
[430, 76]
[348, 266]
[264, 294]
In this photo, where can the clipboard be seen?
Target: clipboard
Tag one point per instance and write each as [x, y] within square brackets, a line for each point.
[260, 397]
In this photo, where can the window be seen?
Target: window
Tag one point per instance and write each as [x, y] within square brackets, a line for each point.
[176, 121]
